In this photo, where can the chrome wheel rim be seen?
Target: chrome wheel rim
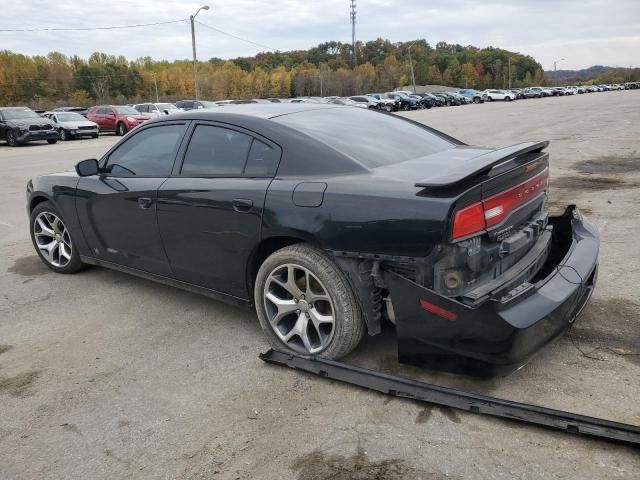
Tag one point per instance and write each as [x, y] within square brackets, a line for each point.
[52, 239]
[299, 309]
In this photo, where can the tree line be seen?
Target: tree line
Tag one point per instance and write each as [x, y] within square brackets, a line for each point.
[380, 65]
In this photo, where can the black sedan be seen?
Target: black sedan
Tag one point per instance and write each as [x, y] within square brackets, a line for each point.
[328, 219]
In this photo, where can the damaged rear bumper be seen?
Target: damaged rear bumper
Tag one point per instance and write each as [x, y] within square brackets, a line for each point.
[501, 334]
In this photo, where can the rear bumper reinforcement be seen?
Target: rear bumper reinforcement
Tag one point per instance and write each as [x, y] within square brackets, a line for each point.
[471, 402]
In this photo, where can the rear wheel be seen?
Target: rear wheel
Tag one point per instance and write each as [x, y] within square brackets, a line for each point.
[52, 240]
[51, 141]
[305, 304]
[122, 129]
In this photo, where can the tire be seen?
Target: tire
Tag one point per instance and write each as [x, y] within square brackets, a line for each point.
[64, 135]
[508, 99]
[12, 140]
[476, 100]
[121, 129]
[95, 135]
[64, 256]
[52, 141]
[389, 108]
[405, 107]
[300, 262]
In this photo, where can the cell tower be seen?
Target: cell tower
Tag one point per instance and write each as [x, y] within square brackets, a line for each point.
[354, 59]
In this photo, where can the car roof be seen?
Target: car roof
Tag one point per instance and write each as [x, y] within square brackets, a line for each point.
[15, 108]
[262, 110]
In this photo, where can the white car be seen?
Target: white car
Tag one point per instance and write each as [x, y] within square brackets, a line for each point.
[571, 90]
[157, 109]
[72, 125]
[505, 95]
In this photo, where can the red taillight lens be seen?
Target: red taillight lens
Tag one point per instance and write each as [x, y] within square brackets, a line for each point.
[497, 207]
[493, 210]
[468, 220]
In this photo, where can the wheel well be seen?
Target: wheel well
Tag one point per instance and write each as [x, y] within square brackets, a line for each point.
[36, 201]
[260, 254]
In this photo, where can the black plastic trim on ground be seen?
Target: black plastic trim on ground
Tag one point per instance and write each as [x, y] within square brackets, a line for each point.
[471, 402]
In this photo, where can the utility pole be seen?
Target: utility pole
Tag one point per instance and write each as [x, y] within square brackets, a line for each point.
[413, 77]
[193, 44]
[509, 73]
[354, 59]
[554, 69]
[155, 82]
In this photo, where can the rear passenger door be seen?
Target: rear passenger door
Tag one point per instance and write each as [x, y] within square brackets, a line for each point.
[210, 210]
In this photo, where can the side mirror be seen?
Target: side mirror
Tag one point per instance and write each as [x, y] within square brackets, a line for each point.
[86, 168]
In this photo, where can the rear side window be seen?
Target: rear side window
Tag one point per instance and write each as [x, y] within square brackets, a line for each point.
[146, 153]
[382, 139]
[263, 160]
[216, 151]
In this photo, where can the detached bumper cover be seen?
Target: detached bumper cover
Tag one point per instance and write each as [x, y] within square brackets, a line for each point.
[32, 136]
[498, 336]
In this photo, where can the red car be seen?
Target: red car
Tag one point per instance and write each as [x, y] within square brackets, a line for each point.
[116, 118]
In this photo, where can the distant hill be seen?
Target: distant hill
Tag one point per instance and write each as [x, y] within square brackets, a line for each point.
[584, 74]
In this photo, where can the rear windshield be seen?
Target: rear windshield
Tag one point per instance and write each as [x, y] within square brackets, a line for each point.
[373, 139]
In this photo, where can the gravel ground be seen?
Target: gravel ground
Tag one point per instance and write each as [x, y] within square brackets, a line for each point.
[106, 376]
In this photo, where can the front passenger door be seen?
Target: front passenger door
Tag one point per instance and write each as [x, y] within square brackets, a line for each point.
[117, 208]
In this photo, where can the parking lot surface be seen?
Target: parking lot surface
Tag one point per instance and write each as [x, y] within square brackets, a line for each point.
[106, 376]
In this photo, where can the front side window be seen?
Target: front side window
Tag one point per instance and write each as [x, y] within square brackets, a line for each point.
[148, 153]
[216, 151]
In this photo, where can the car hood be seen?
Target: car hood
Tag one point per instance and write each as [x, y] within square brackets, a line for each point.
[27, 122]
[79, 123]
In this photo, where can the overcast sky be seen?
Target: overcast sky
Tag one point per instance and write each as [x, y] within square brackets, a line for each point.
[584, 32]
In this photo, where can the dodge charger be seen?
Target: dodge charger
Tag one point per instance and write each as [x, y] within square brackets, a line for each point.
[328, 220]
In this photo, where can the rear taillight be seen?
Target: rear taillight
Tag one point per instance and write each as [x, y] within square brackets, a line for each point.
[468, 220]
[493, 210]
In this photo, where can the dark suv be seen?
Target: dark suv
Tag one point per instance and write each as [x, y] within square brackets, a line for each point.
[19, 125]
[195, 104]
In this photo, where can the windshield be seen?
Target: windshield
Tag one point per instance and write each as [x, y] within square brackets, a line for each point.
[166, 106]
[16, 114]
[70, 117]
[127, 111]
[387, 139]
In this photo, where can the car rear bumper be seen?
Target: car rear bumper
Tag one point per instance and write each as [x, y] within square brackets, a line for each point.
[501, 334]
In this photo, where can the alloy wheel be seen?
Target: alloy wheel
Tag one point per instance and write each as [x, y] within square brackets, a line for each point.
[299, 309]
[52, 239]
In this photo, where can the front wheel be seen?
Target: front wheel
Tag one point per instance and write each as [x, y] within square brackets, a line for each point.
[12, 140]
[64, 135]
[405, 107]
[476, 100]
[389, 108]
[52, 240]
[122, 129]
[52, 141]
[306, 305]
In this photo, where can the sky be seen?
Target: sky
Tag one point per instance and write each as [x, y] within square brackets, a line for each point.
[582, 32]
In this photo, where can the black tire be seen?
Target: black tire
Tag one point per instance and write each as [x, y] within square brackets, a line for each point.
[12, 140]
[74, 264]
[52, 141]
[64, 135]
[508, 99]
[95, 135]
[405, 107]
[389, 108]
[121, 129]
[476, 99]
[349, 327]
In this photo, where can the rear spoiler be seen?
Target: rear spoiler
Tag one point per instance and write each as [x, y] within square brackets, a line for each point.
[481, 163]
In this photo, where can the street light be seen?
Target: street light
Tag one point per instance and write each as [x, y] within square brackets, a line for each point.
[413, 77]
[554, 68]
[193, 44]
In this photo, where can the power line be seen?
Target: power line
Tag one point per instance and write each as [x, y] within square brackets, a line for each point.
[234, 36]
[82, 29]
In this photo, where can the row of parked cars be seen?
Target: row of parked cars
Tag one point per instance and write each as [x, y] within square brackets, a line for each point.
[19, 125]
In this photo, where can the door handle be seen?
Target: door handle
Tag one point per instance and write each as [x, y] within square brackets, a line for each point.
[144, 202]
[242, 205]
